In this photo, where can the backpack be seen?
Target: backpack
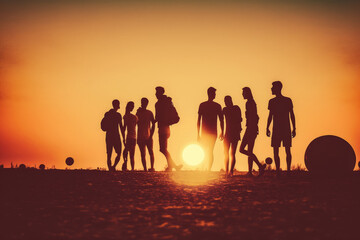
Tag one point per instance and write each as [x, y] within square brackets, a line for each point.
[172, 115]
[105, 122]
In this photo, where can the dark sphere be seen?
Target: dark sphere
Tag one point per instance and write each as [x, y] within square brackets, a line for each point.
[22, 166]
[42, 167]
[69, 161]
[268, 160]
[330, 155]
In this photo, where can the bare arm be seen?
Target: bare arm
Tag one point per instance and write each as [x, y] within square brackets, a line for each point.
[292, 117]
[221, 117]
[122, 130]
[198, 126]
[270, 117]
[152, 130]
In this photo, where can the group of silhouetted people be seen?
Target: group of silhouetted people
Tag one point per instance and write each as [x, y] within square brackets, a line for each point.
[145, 122]
[280, 114]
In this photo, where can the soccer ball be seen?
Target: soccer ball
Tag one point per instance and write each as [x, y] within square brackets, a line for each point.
[69, 161]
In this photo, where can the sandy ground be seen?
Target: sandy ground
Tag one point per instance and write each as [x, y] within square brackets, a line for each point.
[85, 204]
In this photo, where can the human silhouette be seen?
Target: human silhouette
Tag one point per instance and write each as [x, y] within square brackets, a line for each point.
[232, 114]
[112, 121]
[281, 112]
[208, 114]
[130, 121]
[162, 107]
[251, 132]
[146, 128]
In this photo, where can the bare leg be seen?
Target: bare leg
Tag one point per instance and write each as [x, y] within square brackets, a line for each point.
[143, 155]
[277, 158]
[211, 152]
[117, 160]
[109, 160]
[151, 153]
[132, 156]
[233, 159]
[288, 158]
[226, 153]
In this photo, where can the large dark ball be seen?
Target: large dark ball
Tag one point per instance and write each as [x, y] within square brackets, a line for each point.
[330, 155]
[69, 161]
[42, 167]
[268, 160]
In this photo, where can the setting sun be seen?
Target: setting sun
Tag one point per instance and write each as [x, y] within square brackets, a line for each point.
[193, 155]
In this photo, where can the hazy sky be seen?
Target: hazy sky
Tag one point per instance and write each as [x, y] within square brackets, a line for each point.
[61, 65]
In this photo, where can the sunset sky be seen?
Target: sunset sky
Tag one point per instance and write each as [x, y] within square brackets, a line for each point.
[61, 65]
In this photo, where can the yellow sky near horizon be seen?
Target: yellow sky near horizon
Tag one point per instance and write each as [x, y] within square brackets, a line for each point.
[64, 66]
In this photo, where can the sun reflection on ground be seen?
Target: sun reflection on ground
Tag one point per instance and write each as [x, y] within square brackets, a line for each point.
[196, 178]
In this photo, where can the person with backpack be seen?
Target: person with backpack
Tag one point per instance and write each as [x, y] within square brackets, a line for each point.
[110, 124]
[130, 121]
[165, 115]
[208, 114]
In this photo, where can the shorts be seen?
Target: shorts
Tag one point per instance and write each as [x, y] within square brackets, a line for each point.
[164, 134]
[249, 136]
[276, 140]
[145, 143]
[113, 142]
[130, 144]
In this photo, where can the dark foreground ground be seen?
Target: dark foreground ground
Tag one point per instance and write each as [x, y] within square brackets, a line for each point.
[84, 204]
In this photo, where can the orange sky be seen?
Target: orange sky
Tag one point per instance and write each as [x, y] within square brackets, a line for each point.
[62, 65]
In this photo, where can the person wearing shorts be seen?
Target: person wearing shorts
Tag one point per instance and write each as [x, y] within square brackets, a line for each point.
[251, 131]
[281, 112]
[208, 114]
[233, 119]
[163, 126]
[112, 138]
[130, 121]
[146, 128]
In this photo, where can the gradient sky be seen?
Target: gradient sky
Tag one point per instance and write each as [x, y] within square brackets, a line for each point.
[61, 65]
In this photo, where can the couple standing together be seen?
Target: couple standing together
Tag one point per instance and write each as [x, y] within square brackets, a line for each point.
[145, 122]
[280, 112]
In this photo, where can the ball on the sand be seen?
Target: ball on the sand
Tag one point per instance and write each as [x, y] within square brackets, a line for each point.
[69, 161]
[22, 166]
[268, 160]
[330, 155]
[42, 167]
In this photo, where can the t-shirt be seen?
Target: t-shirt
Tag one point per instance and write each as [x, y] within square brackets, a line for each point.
[161, 108]
[251, 115]
[145, 117]
[130, 121]
[232, 121]
[114, 122]
[210, 111]
[281, 107]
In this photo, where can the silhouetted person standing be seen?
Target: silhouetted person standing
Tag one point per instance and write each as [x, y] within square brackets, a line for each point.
[146, 128]
[130, 121]
[233, 119]
[111, 123]
[281, 112]
[161, 117]
[251, 132]
[208, 114]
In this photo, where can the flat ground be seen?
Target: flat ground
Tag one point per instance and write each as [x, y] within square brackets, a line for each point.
[85, 204]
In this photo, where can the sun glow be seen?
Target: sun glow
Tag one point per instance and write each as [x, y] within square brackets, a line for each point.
[193, 155]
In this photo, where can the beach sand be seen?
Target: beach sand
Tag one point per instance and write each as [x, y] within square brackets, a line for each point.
[91, 204]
